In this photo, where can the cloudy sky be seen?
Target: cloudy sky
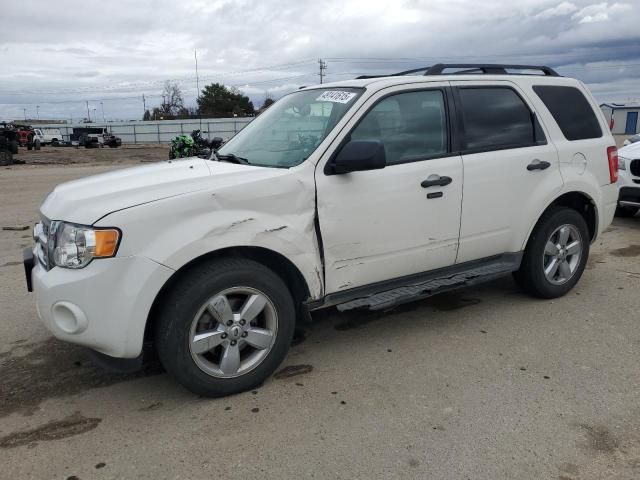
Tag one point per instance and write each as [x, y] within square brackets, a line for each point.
[59, 54]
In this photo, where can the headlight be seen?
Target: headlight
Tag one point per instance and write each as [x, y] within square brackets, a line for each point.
[74, 246]
[622, 163]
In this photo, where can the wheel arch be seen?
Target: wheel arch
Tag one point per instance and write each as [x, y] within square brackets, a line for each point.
[579, 201]
[278, 263]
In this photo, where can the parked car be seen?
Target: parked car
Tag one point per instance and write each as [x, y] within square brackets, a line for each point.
[632, 139]
[629, 180]
[94, 137]
[49, 136]
[365, 193]
[111, 140]
[8, 143]
[27, 137]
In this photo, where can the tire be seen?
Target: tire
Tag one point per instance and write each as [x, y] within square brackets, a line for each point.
[14, 147]
[531, 276]
[6, 158]
[29, 146]
[54, 142]
[626, 212]
[36, 144]
[177, 323]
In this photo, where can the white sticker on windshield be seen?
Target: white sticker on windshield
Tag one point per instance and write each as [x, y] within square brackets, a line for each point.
[336, 96]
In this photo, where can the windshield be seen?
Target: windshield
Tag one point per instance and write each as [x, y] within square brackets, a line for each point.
[292, 128]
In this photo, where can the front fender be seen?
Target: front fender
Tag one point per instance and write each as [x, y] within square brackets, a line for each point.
[177, 230]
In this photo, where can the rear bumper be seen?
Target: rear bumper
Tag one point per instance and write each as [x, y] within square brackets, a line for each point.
[103, 306]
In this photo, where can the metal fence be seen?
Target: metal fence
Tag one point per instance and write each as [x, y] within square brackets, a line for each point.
[161, 131]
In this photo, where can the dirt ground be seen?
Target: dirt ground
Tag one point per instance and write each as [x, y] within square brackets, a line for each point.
[482, 383]
[49, 155]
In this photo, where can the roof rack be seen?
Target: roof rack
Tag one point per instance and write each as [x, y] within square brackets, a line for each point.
[471, 68]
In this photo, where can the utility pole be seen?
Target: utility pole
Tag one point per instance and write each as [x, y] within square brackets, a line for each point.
[103, 120]
[38, 112]
[95, 117]
[323, 66]
[144, 105]
[195, 55]
[88, 114]
[25, 114]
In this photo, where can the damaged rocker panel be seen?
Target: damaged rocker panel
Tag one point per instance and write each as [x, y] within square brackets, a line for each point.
[383, 295]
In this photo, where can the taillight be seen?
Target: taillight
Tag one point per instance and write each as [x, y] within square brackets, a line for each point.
[612, 155]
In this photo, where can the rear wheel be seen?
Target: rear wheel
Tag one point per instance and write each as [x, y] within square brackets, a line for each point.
[36, 144]
[556, 254]
[225, 327]
[14, 147]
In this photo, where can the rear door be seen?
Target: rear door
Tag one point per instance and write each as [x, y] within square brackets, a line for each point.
[511, 170]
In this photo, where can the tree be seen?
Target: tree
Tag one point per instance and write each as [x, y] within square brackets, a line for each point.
[267, 103]
[172, 101]
[146, 116]
[217, 100]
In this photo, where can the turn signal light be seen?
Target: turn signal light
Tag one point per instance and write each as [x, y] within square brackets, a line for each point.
[106, 243]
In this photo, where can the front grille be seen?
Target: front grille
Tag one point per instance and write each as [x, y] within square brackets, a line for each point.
[634, 168]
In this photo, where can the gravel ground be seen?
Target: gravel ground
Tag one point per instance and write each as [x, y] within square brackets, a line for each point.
[483, 383]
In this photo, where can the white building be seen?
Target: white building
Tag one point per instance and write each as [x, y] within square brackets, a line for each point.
[622, 117]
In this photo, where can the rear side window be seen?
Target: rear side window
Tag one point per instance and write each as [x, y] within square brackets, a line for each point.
[571, 111]
[496, 118]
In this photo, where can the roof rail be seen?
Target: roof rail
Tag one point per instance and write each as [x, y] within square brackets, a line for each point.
[471, 68]
[488, 68]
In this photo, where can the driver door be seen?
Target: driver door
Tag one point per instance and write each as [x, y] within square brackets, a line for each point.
[379, 225]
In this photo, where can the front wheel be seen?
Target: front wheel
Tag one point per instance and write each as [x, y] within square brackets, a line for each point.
[225, 327]
[6, 158]
[556, 254]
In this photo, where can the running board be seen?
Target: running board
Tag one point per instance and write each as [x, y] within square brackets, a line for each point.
[415, 287]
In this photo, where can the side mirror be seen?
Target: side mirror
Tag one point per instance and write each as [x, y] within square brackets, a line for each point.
[216, 143]
[359, 155]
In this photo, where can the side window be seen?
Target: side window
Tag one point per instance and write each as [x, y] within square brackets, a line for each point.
[497, 118]
[571, 111]
[412, 126]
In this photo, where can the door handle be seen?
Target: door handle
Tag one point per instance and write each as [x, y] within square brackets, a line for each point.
[436, 180]
[538, 165]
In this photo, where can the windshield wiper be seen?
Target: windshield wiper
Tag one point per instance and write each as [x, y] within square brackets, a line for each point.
[232, 158]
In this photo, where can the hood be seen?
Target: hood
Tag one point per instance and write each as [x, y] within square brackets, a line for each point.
[631, 151]
[87, 200]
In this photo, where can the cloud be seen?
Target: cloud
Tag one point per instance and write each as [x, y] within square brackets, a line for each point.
[565, 8]
[273, 46]
[599, 12]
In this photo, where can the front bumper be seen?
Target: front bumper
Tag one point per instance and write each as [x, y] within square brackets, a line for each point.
[629, 189]
[103, 306]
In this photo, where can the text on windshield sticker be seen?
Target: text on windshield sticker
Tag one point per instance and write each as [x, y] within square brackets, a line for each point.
[335, 96]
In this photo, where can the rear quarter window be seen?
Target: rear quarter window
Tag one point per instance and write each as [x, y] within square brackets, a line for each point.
[571, 111]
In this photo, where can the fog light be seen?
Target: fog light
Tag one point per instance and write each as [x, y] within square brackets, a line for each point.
[69, 318]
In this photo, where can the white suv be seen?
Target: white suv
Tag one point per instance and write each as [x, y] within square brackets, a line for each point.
[629, 180]
[359, 194]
